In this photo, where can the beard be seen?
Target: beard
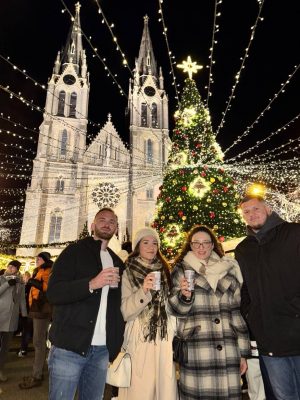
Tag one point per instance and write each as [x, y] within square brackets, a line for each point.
[103, 235]
[256, 227]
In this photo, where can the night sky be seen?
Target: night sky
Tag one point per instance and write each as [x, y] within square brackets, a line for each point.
[31, 33]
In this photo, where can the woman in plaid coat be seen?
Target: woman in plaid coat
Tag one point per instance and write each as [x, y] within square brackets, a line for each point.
[209, 318]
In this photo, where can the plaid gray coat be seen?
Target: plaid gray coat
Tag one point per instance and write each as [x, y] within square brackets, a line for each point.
[217, 337]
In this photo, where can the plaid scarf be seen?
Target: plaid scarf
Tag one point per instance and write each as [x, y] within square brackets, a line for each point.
[154, 316]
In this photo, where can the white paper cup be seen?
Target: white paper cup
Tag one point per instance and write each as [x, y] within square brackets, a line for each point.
[114, 285]
[190, 277]
[157, 278]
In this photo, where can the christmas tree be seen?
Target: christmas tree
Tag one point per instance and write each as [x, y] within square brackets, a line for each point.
[196, 188]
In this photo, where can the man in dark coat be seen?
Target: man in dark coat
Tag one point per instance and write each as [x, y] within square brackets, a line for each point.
[87, 328]
[269, 258]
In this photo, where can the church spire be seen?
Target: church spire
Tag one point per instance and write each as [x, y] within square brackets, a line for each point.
[146, 63]
[73, 52]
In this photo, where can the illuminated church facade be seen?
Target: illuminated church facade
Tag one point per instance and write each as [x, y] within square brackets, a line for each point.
[70, 180]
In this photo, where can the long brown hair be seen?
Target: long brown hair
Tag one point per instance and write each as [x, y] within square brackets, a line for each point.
[187, 244]
[166, 267]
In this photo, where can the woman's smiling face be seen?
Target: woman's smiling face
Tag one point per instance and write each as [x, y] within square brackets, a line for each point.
[148, 248]
[201, 245]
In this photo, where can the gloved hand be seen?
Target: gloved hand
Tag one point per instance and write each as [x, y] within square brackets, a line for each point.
[35, 283]
[12, 282]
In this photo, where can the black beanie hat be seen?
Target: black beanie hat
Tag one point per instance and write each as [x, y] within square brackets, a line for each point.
[45, 256]
[15, 263]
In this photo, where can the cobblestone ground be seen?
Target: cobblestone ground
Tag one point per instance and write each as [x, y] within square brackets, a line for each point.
[16, 368]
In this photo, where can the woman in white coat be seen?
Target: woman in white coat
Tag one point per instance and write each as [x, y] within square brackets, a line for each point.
[149, 329]
[12, 300]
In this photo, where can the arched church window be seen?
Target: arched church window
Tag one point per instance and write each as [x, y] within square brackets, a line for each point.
[149, 151]
[63, 145]
[144, 114]
[61, 103]
[55, 227]
[73, 101]
[154, 115]
[60, 185]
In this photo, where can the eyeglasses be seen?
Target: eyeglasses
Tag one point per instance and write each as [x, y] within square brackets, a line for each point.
[205, 244]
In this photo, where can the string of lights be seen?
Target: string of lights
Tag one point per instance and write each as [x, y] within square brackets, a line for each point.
[267, 108]
[170, 56]
[212, 47]
[243, 59]
[258, 143]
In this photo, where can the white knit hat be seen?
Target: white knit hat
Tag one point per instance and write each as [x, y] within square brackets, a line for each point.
[142, 233]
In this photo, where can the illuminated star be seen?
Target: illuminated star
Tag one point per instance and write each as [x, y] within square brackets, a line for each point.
[190, 67]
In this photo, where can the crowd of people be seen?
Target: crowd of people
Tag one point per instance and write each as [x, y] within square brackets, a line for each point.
[232, 315]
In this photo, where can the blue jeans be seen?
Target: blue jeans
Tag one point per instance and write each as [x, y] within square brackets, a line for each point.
[69, 371]
[284, 374]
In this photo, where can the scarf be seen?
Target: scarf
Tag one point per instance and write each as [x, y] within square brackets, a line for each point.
[215, 268]
[153, 318]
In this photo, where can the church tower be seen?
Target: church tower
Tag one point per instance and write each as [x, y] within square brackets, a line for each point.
[149, 134]
[54, 198]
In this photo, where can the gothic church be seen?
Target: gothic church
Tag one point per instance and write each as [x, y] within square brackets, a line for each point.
[70, 180]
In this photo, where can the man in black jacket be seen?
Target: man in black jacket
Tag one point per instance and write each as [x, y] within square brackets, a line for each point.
[87, 328]
[269, 258]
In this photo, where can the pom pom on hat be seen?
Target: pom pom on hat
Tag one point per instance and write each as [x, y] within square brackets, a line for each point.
[142, 233]
[45, 256]
[15, 263]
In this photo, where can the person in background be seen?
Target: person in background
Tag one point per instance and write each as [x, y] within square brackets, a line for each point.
[126, 249]
[27, 325]
[209, 319]
[12, 301]
[87, 328]
[149, 328]
[269, 258]
[41, 319]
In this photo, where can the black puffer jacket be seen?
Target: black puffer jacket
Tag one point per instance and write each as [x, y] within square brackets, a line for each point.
[75, 308]
[270, 264]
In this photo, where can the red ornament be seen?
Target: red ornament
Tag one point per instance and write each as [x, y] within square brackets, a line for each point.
[215, 191]
[162, 229]
[184, 188]
[168, 199]
[198, 145]
[225, 189]
[221, 238]
[212, 215]
[203, 173]
[180, 213]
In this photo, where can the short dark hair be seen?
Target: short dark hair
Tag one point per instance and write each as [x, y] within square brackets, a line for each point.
[106, 209]
[249, 197]
[187, 244]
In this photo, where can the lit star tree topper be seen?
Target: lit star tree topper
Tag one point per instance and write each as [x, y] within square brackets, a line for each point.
[190, 67]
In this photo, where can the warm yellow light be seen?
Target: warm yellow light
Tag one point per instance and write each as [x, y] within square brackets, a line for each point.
[256, 189]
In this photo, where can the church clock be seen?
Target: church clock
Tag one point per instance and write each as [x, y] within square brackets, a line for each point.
[69, 79]
[149, 91]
